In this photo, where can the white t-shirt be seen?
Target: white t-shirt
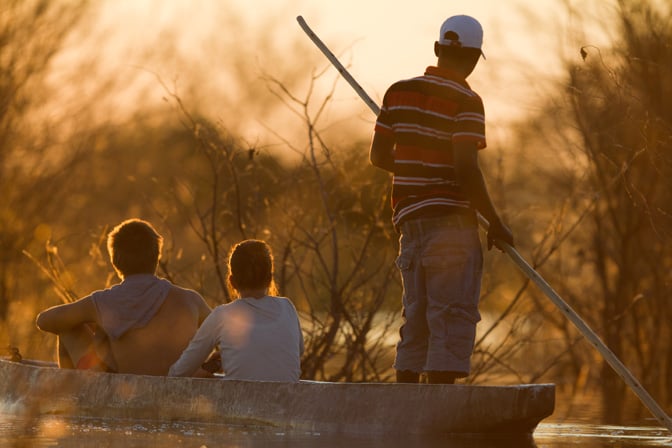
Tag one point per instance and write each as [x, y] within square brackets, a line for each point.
[258, 339]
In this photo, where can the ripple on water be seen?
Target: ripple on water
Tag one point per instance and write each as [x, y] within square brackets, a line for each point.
[639, 436]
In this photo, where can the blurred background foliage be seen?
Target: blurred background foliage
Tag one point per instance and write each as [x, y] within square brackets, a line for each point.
[584, 183]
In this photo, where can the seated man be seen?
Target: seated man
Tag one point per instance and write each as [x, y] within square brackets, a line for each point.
[140, 325]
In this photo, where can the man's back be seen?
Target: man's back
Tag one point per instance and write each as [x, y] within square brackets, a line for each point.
[424, 117]
[152, 349]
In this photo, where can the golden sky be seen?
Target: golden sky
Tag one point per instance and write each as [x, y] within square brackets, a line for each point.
[380, 41]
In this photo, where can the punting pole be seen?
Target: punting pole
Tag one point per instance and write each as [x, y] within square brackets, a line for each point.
[533, 275]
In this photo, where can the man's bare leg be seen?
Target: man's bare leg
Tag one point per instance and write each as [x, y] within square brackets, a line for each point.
[73, 345]
[63, 358]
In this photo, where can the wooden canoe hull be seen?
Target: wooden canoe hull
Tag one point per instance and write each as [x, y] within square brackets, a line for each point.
[356, 408]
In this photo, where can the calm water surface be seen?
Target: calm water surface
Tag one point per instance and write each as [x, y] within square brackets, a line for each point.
[58, 432]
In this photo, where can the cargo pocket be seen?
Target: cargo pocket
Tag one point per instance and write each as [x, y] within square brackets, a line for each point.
[406, 268]
[404, 262]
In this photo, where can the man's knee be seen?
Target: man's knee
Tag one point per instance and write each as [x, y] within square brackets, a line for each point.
[74, 345]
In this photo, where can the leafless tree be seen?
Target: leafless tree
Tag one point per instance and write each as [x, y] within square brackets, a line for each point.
[611, 132]
[32, 32]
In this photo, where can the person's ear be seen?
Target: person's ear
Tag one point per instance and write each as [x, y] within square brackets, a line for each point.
[116, 259]
[437, 49]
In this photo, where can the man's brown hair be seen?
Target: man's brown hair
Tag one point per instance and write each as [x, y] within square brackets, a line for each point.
[134, 247]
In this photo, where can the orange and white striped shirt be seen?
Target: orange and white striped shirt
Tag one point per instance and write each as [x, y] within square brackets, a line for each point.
[425, 115]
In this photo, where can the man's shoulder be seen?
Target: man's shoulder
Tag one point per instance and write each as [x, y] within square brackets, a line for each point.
[404, 83]
[186, 301]
[182, 290]
[183, 293]
[435, 85]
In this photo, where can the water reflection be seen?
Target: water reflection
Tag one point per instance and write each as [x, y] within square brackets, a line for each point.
[71, 433]
[75, 433]
[560, 435]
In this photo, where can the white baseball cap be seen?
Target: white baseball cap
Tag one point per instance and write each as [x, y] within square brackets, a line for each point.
[462, 31]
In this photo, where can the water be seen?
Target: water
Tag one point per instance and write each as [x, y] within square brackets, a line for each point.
[82, 433]
[600, 436]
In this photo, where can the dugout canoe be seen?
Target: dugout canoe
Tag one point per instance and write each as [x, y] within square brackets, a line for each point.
[357, 408]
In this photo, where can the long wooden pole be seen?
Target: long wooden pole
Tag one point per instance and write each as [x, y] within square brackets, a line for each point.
[533, 275]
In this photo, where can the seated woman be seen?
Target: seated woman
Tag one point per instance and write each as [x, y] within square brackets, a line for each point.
[258, 335]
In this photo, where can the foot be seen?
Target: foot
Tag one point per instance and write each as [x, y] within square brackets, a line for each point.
[441, 377]
[407, 376]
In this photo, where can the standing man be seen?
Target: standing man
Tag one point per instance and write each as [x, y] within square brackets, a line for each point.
[140, 325]
[428, 134]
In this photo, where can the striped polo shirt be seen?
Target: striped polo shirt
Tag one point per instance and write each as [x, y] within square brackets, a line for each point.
[425, 116]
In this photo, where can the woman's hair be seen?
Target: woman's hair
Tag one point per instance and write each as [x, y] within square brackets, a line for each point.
[251, 266]
[134, 247]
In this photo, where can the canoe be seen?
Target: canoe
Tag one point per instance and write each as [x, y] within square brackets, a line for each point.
[33, 390]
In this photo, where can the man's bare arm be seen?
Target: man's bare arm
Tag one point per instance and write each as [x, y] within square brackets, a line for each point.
[65, 317]
[470, 178]
[381, 154]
